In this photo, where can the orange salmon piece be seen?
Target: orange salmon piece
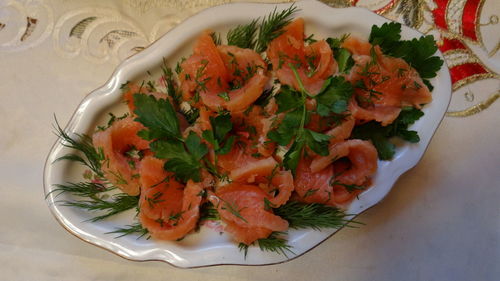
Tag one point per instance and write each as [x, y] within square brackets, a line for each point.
[225, 77]
[133, 89]
[243, 165]
[203, 71]
[314, 63]
[167, 209]
[362, 155]
[242, 207]
[313, 187]
[384, 86]
[261, 121]
[121, 169]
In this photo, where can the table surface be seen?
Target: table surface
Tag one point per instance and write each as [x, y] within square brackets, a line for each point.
[441, 221]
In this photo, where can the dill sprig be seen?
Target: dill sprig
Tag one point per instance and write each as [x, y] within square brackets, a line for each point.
[243, 36]
[135, 228]
[92, 158]
[272, 27]
[83, 189]
[216, 38]
[208, 212]
[274, 243]
[170, 83]
[118, 203]
[313, 215]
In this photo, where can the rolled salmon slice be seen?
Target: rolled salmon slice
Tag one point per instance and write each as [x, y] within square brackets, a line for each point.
[243, 208]
[168, 210]
[120, 166]
[203, 71]
[314, 63]
[383, 84]
[313, 187]
[262, 120]
[224, 77]
[362, 155]
[243, 165]
[283, 183]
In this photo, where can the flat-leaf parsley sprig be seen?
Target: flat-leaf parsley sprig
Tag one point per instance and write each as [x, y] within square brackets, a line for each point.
[162, 127]
[332, 99]
[419, 53]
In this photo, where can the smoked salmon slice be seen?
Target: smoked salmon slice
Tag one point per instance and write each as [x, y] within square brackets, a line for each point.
[314, 63]
[132, 89]
[383, 84]
[225, 77]
[259, 122]
[244, 164]
[313, 187]
[228, 102]
[121, 145]
[325, 186]
[362, 155]
[168, 210]
[243, 208]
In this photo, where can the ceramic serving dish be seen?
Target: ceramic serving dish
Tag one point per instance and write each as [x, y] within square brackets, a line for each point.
[208, 247]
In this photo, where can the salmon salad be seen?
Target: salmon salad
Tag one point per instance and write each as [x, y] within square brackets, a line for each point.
[255, 129]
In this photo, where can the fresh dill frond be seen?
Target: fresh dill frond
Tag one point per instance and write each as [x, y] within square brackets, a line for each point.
[243, 36]
[168, 76]
[208, 212]
[243, 248]
[274, 243]
[112, 119]
[118, 203]
[216, 38]
[272, 27]
[313, 215]
[83, 189]
[135, 228]
[265, 97]
[91, 158]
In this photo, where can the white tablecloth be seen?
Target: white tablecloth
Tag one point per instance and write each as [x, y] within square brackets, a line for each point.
[441, 221]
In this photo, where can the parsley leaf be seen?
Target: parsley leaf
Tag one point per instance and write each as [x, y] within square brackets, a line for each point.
[292, 156]
[386, 36]
[344, 60]
[158, 116]
[334, 96]
[221, 126]
[182, 160]
[287, 129]
[419, 54]
[317, 142]
[416, 52]
[288, 99]
[380, 136]
[195, 146]
[342, 55]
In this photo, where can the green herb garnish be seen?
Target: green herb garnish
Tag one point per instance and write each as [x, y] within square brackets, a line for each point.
[380, 135]
[313, 215]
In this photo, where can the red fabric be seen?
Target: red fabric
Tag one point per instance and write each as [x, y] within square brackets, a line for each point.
[440, 14]
[469, 18]
[451, 44]
[463, 71]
